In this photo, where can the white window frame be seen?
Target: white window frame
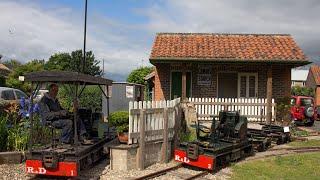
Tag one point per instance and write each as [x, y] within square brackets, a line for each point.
[247, 84]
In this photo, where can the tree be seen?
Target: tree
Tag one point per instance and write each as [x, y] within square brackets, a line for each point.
[73, 62]
[12, 64]
[137, 75]
[302, 91]
[13, 78]
[58, 61]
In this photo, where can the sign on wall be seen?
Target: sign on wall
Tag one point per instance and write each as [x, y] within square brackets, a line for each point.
[204, 75]
[129, 91]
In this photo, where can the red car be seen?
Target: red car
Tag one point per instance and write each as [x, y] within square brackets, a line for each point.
[303, 110]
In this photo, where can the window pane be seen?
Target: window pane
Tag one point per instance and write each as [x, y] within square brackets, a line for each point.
[306, 102]
[20, 94]
[252, 86]
[8, 95]
[243, 85]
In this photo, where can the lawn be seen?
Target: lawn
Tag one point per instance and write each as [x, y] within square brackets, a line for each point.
[301, 166]
[309, 143]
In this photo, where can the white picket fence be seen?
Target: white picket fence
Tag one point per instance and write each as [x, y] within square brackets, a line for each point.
[154, 114]
[255, 109]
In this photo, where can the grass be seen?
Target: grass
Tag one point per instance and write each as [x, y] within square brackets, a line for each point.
[301, 166]
[309, 143]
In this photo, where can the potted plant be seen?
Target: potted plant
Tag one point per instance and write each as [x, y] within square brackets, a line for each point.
[120, 120]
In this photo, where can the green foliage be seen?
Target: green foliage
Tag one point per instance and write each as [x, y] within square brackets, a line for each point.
[18, 137]
[137, 75]
[189, 136]
[302, 91]
[90, 98]
[3, 133]
[73, 62]
[2, 81]
[58, 61]
[12, 64]
[119, 120]
[283, 110]
[32, 66]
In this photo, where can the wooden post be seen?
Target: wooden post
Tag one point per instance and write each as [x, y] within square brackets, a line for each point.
[165, 136]
[269, 95]
[184, 85]
[142, 140]
[177, 124]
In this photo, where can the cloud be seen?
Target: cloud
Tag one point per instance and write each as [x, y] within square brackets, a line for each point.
[295, 17]
[29, 31]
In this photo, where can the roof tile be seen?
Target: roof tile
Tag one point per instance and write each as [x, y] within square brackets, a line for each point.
[264, 47]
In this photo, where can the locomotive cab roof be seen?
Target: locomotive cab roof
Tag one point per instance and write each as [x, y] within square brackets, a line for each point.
[66, 77]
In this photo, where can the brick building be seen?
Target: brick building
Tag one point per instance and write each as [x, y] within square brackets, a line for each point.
[224, 65]
[313, 81]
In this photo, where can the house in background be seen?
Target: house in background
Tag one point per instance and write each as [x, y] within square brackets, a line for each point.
[313, 81]
[212, 65]
[4, 72]
[299, 77]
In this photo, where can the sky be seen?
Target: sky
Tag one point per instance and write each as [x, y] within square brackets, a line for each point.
[121, 32]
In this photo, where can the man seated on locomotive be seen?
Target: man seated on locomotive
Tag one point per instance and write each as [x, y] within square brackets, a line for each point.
[51, 111]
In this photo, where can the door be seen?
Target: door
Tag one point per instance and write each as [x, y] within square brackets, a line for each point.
[248, 85]
[227, 85]
[176, 84]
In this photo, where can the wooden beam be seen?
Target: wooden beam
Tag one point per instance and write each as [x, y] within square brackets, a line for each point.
[269, 95]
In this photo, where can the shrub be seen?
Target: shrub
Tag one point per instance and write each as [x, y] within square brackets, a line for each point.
[3, 133]
[283, 110]
[119, 120]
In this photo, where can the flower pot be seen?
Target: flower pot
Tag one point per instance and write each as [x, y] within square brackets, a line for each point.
[123, 137]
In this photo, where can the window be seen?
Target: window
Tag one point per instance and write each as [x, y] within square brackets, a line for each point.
[306, 102]
[7, 95]
[20, 94]
[247, 85]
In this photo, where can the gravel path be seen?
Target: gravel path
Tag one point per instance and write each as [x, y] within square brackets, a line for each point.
[13, 172]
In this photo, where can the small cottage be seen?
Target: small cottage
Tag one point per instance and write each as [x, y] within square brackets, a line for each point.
[224, 65]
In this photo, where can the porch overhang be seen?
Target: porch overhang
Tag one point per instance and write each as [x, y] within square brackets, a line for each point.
[293, 63]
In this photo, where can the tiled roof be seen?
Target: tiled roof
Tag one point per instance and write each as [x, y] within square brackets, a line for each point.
[315, 70]
[4, 71]
[226, 47]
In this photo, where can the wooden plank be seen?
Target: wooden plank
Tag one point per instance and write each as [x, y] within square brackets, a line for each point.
[142, 141]
[165, 137]
[130, 123]
[152, 133]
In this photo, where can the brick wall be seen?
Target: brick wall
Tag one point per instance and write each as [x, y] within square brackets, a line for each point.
[281, 79]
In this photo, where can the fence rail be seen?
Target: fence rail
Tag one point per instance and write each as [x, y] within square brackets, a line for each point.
[254, 108]
[155, 116]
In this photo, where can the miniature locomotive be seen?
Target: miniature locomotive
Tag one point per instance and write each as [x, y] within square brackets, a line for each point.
[224, 142]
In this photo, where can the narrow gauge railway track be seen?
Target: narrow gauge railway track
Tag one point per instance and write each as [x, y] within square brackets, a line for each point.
[174, 172]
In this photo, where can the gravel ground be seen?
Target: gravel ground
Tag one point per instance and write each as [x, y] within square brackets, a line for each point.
[13, 171]
[112, 174]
